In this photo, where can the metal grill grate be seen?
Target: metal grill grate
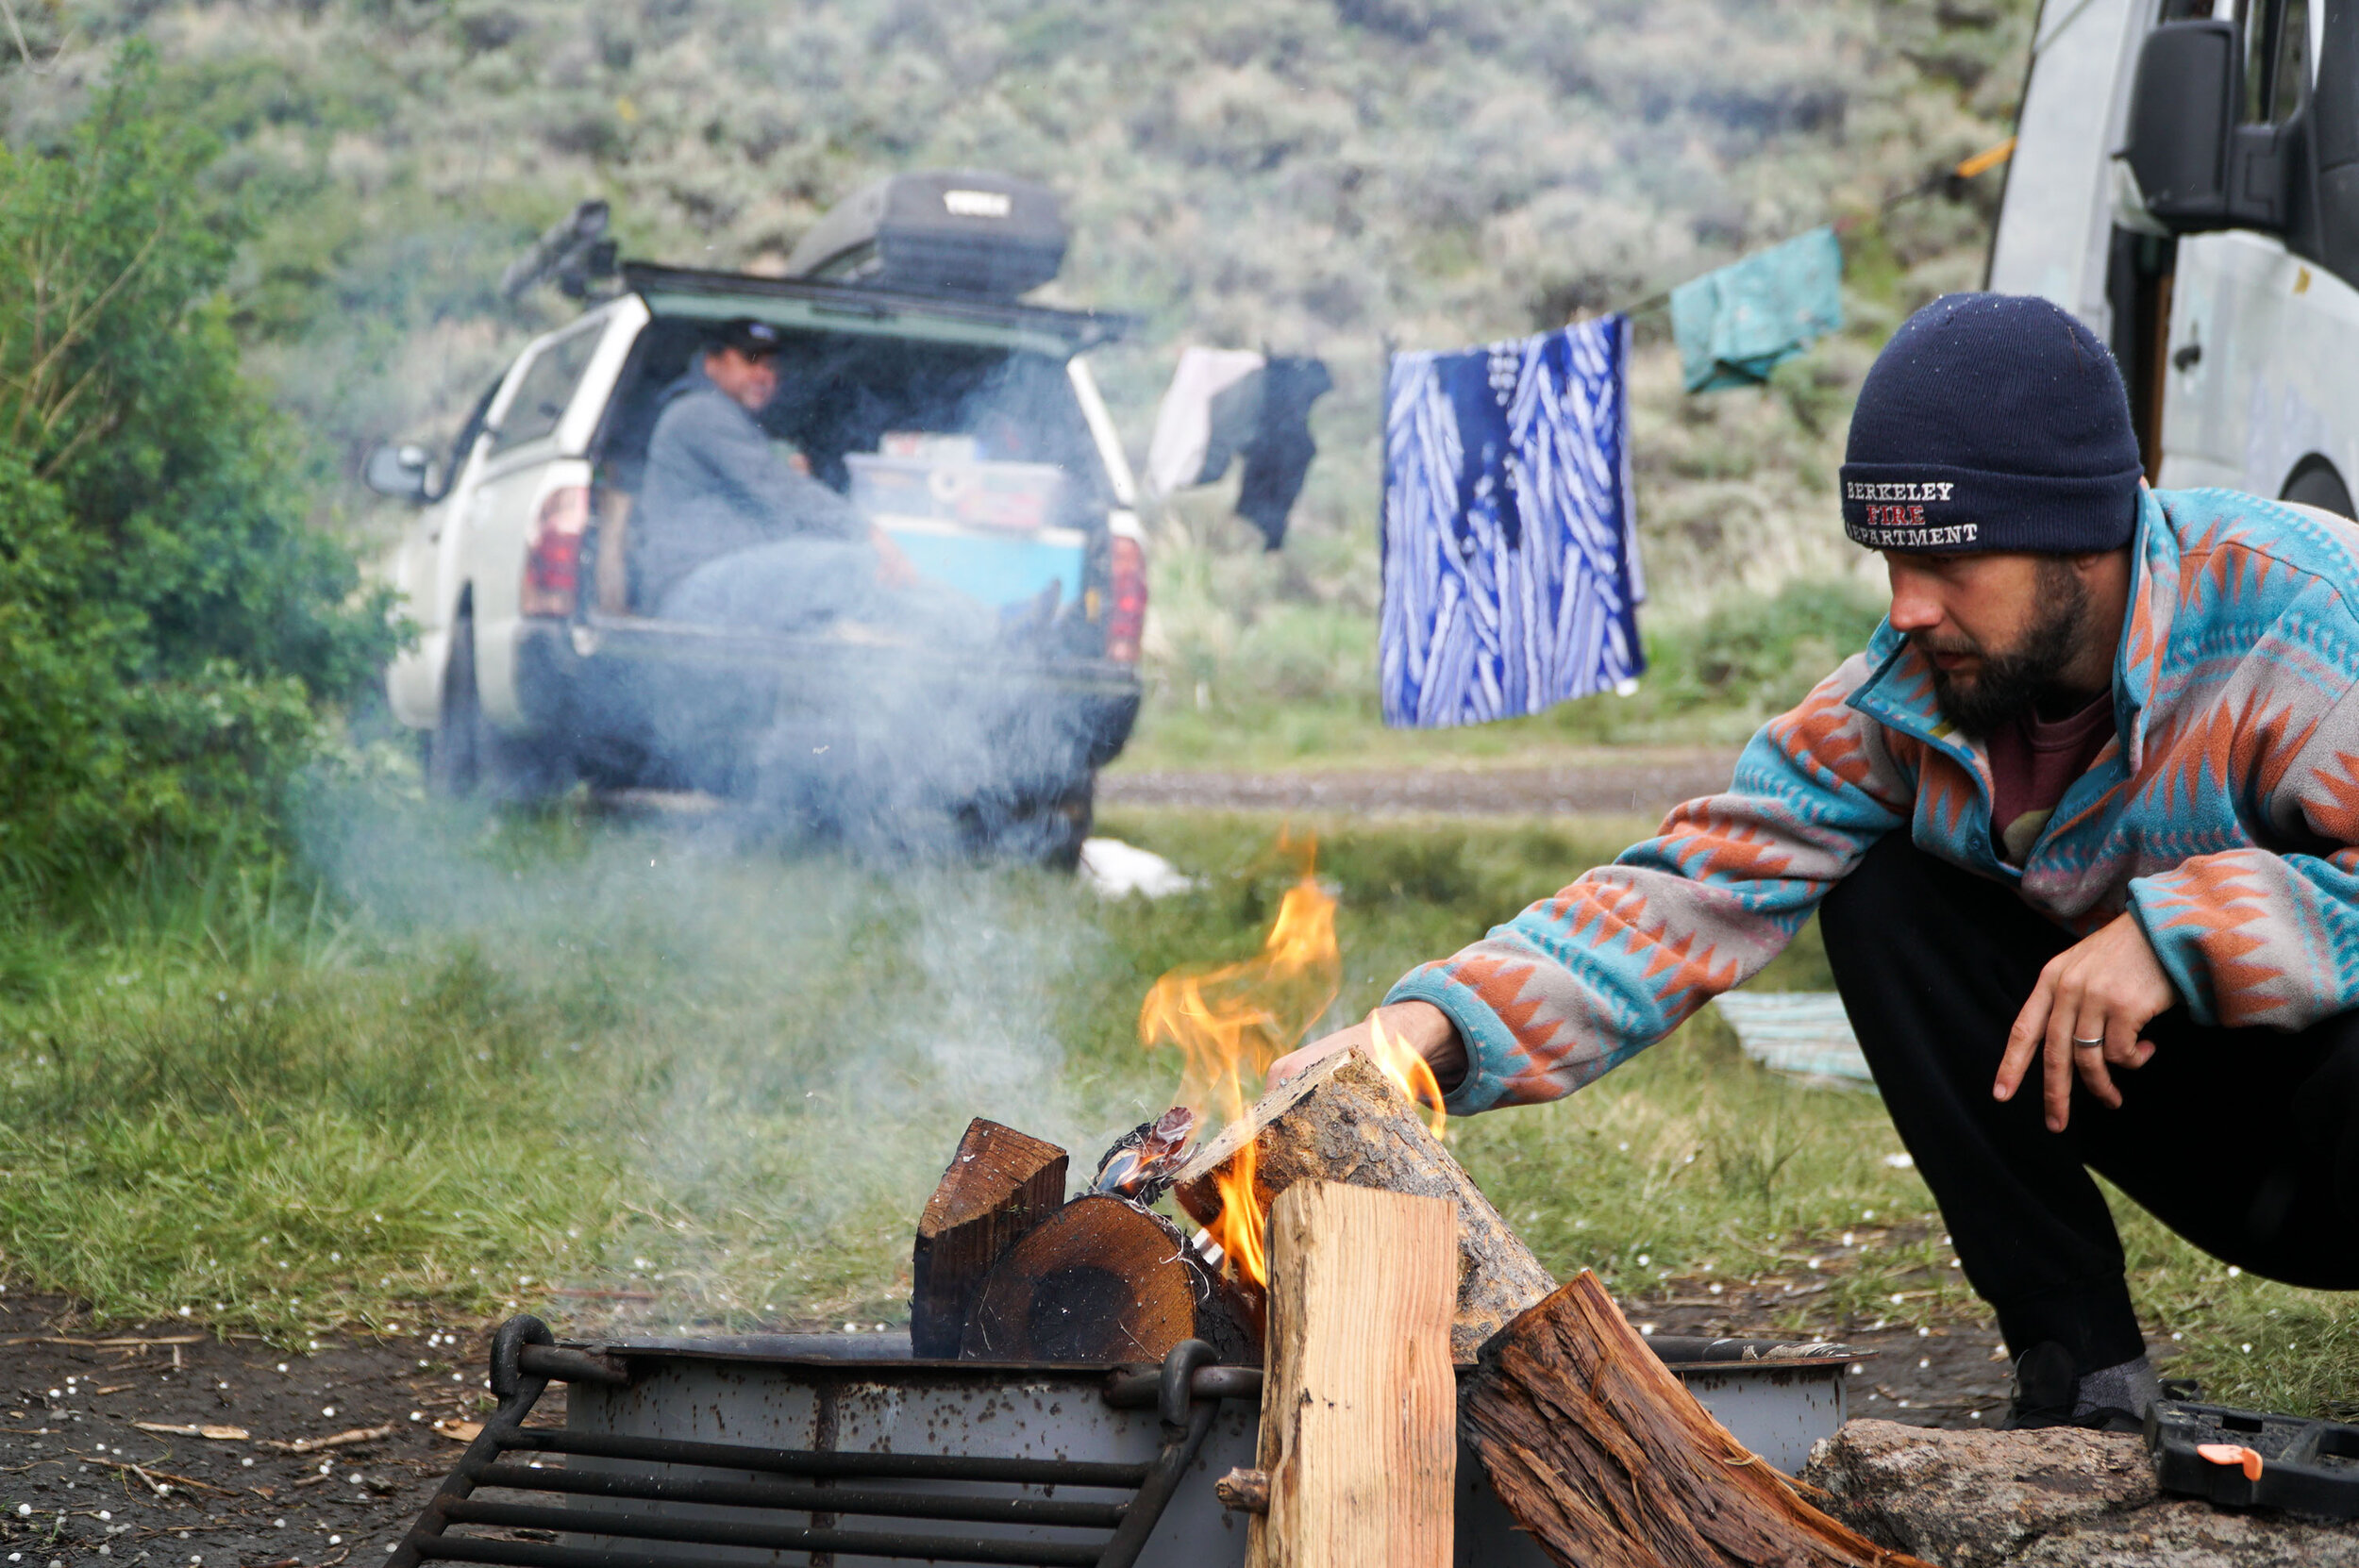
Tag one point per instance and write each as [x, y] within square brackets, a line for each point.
[613, 1516]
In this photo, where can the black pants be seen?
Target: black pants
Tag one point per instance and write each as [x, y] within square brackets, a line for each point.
[2246, 1142]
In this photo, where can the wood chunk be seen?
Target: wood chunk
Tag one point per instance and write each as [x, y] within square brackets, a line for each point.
[1358, 1415]
[1101, 1280]
[1345, 1121]
[1243, 1490]
[999, 1185]
[1607, 1460]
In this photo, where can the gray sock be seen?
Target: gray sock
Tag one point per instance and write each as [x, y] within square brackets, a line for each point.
[2131, 1386]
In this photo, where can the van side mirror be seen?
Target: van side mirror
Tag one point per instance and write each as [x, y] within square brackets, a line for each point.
[400, 472]
[2197, 167]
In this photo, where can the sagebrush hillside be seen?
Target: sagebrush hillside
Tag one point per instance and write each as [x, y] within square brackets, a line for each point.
[1316, 176]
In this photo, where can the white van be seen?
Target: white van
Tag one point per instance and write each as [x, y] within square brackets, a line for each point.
[2185, 180]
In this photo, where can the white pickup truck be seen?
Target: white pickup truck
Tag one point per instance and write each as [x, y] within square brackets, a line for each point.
[967, 426]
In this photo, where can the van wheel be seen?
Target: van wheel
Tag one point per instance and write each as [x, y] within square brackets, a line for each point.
[466, 757]
[2317, 484]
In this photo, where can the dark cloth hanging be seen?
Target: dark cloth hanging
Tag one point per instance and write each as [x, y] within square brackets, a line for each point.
[1277, 457]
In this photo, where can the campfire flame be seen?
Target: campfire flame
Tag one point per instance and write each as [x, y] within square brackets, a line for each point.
[1236, 1019]
[1410, 1071]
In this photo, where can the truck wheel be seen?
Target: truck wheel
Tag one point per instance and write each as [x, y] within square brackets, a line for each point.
[466, 757]
[454, 753]
[2317, 484]
[1049, 831]
[1074, 814]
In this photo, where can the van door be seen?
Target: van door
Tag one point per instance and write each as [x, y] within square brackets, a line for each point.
[2259, 382]
[2055, 217]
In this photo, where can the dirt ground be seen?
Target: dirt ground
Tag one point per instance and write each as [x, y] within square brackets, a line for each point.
[1942, 1376]
[1643, 782]
[80, 1479]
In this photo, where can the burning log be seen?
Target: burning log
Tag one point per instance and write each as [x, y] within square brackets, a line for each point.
[999, 1185]
[1346, 1120]
[1140, 1163]
[1359, 1455]
[1102, 1279]
[1607, 1460]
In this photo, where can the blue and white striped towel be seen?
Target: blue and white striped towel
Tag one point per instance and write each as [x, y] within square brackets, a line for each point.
[1511, 560]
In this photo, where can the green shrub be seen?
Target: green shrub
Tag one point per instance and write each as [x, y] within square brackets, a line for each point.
[172, 631]
[1762, 655]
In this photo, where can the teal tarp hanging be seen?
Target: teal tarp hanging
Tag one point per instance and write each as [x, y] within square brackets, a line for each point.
[1734, 326]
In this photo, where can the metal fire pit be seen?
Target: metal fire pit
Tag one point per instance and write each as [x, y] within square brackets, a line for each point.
[842, 1449]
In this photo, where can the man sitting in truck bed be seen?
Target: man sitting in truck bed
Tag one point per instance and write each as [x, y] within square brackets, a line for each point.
[727, 533]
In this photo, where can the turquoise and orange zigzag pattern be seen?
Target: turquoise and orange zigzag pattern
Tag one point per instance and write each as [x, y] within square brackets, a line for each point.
[2225, 813]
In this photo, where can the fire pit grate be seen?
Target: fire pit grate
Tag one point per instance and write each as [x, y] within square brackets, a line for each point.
[821, 1486]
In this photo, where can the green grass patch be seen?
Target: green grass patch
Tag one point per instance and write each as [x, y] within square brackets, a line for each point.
[1297, 686]
[485, 1061]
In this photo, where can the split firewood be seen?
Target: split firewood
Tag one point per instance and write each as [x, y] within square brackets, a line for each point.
[999, 1185]
[1358, 1439]
[1344, 1120]
[1608, 1462]
[1104, 1280]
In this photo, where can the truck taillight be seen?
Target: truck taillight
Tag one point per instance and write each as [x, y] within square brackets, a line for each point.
[553, 556]
[1126, 572]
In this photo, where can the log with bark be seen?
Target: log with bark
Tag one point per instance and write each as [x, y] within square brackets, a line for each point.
[1102, 1279]
[1343, 1120]
[999, 1185]
[1607, 1460]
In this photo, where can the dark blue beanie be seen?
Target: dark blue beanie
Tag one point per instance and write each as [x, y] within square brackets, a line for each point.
[1992, 422]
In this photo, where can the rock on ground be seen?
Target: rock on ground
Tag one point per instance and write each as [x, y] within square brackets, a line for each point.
[2061, 1499]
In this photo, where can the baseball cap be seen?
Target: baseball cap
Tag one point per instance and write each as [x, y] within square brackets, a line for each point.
[751, 338]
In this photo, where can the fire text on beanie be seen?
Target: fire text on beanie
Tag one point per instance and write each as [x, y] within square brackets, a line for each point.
[1992, 422]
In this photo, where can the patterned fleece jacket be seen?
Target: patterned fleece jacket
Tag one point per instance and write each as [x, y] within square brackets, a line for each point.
[2223, 813]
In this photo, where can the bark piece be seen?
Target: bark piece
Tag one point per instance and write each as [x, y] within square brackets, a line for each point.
[1345, 1121]
[1102, 1280]
[1610, 1462]
[1359, 1413]
[998, 1186]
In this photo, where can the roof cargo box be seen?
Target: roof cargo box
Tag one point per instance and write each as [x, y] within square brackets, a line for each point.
[941, 232]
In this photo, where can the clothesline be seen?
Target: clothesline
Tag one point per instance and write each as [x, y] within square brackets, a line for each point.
[1965, 169]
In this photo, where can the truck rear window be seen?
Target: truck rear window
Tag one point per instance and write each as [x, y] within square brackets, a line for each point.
[845, 395]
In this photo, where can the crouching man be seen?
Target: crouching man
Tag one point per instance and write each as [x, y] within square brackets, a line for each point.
[2080, 826]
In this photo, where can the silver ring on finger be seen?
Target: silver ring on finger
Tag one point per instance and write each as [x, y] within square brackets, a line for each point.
[2080, 1045]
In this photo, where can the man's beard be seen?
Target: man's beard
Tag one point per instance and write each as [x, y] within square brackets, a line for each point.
[2014, 683]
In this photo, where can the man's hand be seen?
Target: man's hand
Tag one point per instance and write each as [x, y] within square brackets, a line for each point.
[894, 567]
[1424, 1028]
[2107, 986]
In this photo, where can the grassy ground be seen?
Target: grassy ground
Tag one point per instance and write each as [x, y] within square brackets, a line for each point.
[1298, 687]
[494, 1062]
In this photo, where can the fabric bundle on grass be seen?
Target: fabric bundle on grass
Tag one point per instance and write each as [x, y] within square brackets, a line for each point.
[1803, 1032]
[1736, 325]
[1510, 562]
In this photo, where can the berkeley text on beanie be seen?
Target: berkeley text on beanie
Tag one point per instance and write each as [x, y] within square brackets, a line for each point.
[1992, 422]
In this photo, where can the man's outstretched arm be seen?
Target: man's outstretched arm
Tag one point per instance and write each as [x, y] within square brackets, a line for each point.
[1581, 981]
